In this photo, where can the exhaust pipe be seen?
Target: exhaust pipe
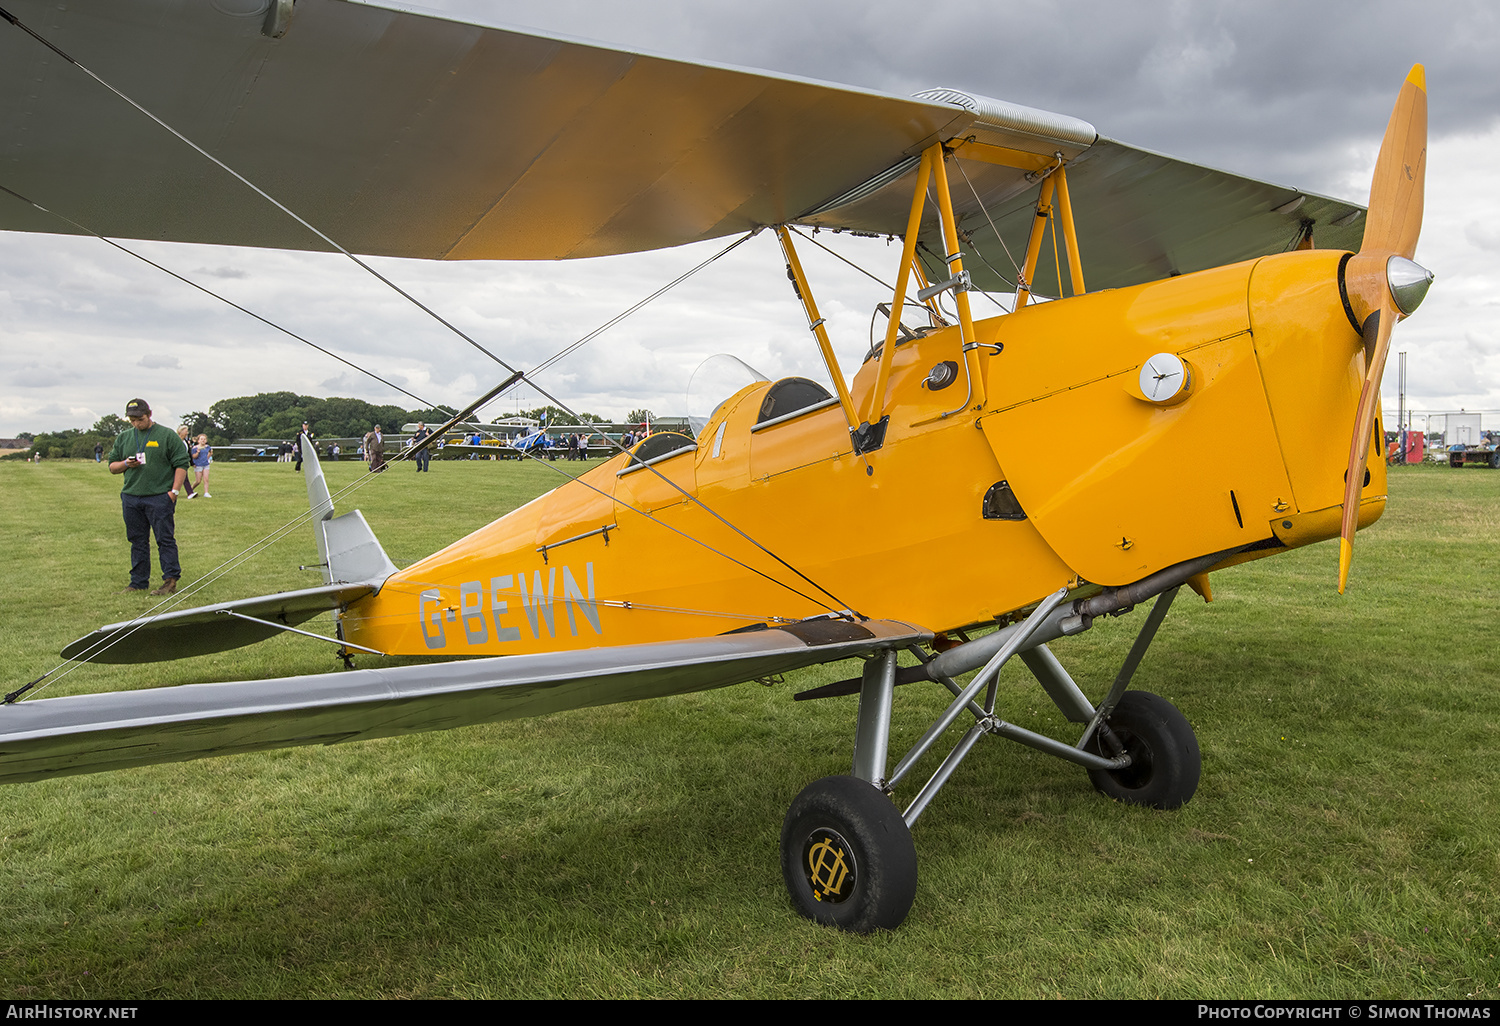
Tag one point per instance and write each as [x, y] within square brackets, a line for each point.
[1072, 618]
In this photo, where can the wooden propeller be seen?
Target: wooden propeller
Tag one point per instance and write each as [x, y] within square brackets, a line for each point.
[1382, 281]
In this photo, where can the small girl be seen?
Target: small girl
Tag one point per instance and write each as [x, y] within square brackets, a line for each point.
[203, 458]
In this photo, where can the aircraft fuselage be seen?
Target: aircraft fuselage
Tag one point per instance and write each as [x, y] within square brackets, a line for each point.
[1069, 474]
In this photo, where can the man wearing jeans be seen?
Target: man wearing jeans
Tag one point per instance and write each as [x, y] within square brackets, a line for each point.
[424, 456]
[154, 461]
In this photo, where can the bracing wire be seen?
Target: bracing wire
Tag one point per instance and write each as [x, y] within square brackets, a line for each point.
[692, 498]
[254, 188]
[276, 535]
[985, 211]
[223, 299]
[218, 572]
[915, 303]
[839, 256]
[516, 375]
[601, 329]
[974, 245]
[965, 236]
[632, 604]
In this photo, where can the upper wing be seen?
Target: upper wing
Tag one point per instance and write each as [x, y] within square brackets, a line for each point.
[87, 733]
[406, 135]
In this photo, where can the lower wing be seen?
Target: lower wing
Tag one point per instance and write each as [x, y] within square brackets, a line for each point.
[88, 733]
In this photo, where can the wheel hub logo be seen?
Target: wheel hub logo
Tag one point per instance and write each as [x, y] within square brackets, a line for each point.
[829, 868]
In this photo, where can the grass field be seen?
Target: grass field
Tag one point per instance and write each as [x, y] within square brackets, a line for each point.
[1344, 841]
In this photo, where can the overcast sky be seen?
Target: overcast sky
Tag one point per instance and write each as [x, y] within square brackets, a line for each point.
[1296, 93]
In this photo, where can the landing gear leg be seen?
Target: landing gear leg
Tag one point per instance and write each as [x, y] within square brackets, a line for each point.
[1165, 764]
[846, 854]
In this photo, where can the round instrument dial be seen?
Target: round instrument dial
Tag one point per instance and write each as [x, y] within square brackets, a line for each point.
[1165, 378]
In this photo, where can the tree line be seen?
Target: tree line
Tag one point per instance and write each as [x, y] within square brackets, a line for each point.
[277, 415]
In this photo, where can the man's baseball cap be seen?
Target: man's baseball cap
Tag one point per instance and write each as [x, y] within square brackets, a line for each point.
[137, 408]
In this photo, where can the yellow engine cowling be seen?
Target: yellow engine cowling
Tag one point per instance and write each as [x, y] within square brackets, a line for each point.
[1251, 450]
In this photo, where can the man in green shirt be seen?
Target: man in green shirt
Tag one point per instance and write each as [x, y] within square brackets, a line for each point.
[154, 461]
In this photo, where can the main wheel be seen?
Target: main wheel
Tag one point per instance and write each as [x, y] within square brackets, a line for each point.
[847, 856]
[1165, 763]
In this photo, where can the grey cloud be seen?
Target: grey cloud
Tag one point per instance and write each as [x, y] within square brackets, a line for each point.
[35, 376]
[1485, 236]
[159, 361]
[56, 410]
[352, 384]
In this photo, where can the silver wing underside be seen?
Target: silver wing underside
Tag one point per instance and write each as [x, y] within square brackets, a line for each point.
[407, 135]
[87, 733]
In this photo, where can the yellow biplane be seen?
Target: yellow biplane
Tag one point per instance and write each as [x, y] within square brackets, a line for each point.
[1222, 371]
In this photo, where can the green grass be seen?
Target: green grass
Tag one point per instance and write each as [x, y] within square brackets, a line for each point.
[1343, 842]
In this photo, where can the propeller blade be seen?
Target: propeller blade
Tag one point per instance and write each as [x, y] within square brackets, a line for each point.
[1383, 283]
[1396, 192]
[1377, 335]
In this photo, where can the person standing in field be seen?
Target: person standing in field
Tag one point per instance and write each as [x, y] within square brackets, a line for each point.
[154, 462]
[375, 450]
[305, 438]
[424, 456]
[203, 460]
[187, 485]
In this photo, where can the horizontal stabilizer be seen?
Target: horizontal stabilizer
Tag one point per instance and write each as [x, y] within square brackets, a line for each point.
[191, 632]
[88, 733]
[351, 550]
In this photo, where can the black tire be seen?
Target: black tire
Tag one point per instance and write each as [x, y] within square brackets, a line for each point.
[1165, 762]
[1495, 460]
[848, 857]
